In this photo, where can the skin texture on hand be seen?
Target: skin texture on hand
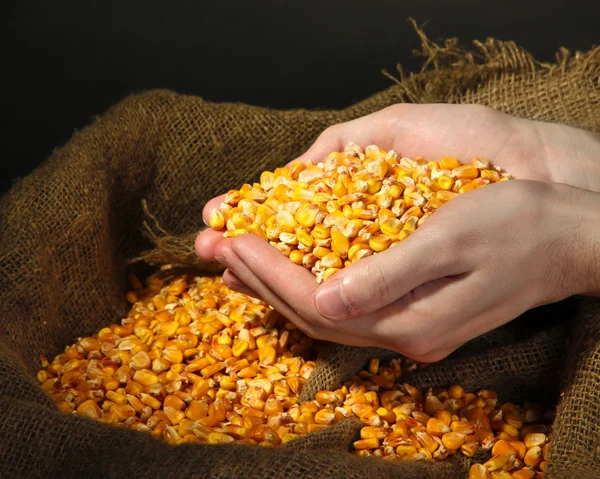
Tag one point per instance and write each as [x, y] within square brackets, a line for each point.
[478, 262]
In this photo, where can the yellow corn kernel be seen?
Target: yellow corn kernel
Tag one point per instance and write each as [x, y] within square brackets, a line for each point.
[324, 416]
[145, 377]
[491, 174]
[257, 230]
[326, 397]
[373, 365]
[320, 231]
[174, 356]
[370, 443]
[391, 227]
[295, 168]
[235, 232]
[267, 179]
[406, 451]
[403, 235]
[288, 437]
[495, 462]
[465, 172]
[339, 189]
[339, 243]
[320, 252]
[331, 260]
[445, 182]
[444, 196]
[329, 272]
[534, 439]
[123, 411]
[304, 237]
[533, 456]
[208, 371]
[505, 448]
[89, 409]
[219, 438]
[353, 251]
[449, 163]
[282, 192]
[307, 214]
[453, 440]
[466, 187]
[469, 448]
[523, 474]
[545, 451]
[380, 243]
[411, 224]
[477, 471]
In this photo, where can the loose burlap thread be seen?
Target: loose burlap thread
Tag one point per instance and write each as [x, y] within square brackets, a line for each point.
[70, 229]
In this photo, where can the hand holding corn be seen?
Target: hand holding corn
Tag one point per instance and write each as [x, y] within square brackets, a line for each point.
[480, 261]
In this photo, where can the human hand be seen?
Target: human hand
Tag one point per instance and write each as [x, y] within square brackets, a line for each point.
[526, 149]
[479, 248]
[477, 263]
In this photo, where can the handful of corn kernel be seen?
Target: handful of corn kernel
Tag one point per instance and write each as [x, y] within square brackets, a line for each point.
[353, 204]
[194, 362]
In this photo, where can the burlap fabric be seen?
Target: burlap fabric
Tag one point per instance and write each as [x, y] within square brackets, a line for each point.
[69, 230]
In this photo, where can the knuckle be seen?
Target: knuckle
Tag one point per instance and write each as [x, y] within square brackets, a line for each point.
[310, 329]
[332, 132]
[394, 111]
[395, 116]
[419, 346]
[417, 338]
[412, 347]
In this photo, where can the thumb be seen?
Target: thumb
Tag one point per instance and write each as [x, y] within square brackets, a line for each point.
[377, 281]
[370, 129]
[332, 139]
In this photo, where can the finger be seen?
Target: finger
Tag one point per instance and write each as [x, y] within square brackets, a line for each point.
[364, 131]
[327, 142]
[211, 205]
[436, 318]
[490, 310]
[270, 266]
[235, 283]
[206, 241]
[379, 280]
[245, 274]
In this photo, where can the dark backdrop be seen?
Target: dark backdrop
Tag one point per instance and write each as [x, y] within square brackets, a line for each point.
[70, 60]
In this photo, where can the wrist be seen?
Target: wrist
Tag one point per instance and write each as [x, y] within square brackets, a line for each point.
[571, 154]
[592, 237]
[578, 216]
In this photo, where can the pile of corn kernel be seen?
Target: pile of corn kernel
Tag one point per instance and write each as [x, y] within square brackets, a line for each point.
[194, 362]
[353, 204]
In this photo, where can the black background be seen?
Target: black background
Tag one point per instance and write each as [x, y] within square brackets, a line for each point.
[70, 60]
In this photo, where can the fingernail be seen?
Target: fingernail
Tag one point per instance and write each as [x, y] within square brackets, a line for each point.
[204, 221]
[331, 301]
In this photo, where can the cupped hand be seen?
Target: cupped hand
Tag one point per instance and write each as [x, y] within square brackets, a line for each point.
[526, 149]
[478, 262]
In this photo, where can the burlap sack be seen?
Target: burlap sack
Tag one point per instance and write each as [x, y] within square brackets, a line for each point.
[68, 230]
